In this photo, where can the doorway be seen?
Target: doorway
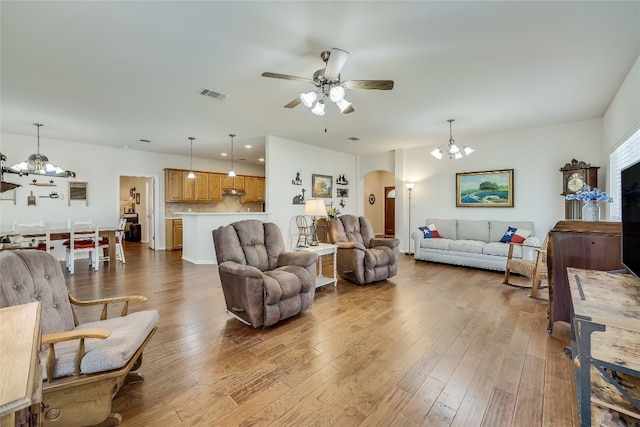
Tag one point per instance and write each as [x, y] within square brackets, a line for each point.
[390, 211]
[137, 204]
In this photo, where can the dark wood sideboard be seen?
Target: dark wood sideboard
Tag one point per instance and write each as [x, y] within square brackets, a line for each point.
[591, 245]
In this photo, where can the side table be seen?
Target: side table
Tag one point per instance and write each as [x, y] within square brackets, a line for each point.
[323, 249]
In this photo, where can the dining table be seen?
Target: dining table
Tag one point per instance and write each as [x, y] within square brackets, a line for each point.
[64, 233]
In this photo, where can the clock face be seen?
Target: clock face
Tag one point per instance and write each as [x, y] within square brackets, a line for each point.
[575, 182]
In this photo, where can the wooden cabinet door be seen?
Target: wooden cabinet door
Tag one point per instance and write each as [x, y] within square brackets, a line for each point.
[201, 187]
[249, 189]
[238, 183]
[214, 190]
[227, 182]
[188, 188]
[173, 185]
[177, 234]
[260, 190]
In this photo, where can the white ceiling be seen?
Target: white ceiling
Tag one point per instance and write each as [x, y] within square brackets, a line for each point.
[112, 73]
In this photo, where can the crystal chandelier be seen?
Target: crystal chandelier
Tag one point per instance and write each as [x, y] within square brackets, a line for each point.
[451, 150]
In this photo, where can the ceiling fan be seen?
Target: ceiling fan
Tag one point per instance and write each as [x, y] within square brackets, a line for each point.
[327, 84]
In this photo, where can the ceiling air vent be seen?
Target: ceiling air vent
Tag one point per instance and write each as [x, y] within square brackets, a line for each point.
[354, 138]
[213, 94]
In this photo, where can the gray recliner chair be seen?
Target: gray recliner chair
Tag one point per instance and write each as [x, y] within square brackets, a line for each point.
[363, 258]
[261, 282]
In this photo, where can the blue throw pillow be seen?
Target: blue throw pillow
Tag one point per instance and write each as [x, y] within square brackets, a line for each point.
[426, 233]
[508, 235]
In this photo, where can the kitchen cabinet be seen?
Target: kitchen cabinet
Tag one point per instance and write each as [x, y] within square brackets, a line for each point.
[254, 189]
[195, 189]
[173, 185]
[232, 182]
[215, 187]
[174, 233]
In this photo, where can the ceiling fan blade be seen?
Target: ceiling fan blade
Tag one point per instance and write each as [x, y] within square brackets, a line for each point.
[286, 77]
[335, 63]
[369, 84]
[348, 110]
[294, 103]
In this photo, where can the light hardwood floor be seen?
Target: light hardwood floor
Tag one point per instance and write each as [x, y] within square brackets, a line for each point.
[435, 346]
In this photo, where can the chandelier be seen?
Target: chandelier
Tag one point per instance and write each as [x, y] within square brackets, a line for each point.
[332, 90]
[451, 150]
[38, 164]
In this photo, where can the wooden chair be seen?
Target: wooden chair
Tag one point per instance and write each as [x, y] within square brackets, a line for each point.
[85, 364]
[535, 269]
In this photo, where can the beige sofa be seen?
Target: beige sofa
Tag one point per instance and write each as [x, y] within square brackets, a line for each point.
[472, 243]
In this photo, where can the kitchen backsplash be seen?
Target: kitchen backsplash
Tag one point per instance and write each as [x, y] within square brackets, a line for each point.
[229, 204]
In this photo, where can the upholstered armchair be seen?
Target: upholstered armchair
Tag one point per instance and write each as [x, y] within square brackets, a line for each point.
[261, 282]
[362, 258]
[84, 365]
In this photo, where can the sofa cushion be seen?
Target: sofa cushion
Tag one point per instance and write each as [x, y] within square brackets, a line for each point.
[501, 249]
[447, 228]
[515, 235]
[441, 244]
[127, 335]
[429, 232]
[497, 228]
[473, 229]
[470, 246]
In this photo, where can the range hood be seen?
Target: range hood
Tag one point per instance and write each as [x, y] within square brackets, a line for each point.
[233, 192]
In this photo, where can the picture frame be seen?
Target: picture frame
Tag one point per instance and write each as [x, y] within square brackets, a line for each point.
[321, 185]
[78, 191]
[485, 189]
[342, 192]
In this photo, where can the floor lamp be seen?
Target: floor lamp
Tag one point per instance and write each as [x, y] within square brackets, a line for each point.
[314, 208]
[409, 186]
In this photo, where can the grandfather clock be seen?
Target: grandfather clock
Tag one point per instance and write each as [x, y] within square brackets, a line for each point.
[574, 176]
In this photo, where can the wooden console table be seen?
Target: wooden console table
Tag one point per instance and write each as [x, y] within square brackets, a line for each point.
[605, 343]
[593, 245]
[20, 371]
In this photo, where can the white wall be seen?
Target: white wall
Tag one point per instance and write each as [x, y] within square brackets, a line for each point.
[101, 168]
[536, 155]
[283, 159]
[622, 118]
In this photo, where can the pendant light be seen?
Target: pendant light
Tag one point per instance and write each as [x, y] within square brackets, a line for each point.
[191, 174]
[232, 172]
[451, 150]
[38, 164]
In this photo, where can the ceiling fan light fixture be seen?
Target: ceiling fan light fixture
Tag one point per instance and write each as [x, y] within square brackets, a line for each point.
[336, 94]
[451, 150]
[308, 98]
[343, 104]
[318, 110]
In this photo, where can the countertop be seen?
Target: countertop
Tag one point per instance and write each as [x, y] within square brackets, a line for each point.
[221, 213]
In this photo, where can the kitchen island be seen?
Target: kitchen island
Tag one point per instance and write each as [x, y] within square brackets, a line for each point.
[197, 240]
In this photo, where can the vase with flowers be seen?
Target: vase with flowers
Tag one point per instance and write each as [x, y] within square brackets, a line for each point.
[333, 213]
[590, 199]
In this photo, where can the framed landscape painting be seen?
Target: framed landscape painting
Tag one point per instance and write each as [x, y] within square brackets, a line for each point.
[488, 189]
[321, 185]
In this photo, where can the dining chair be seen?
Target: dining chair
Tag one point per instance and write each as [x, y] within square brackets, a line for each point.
[120, 240]
[39, 233]
[84, 238]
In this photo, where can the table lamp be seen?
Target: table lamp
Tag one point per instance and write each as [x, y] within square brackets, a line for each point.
[314, 208]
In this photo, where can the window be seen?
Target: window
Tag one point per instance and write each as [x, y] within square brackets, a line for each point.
[625, 155]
